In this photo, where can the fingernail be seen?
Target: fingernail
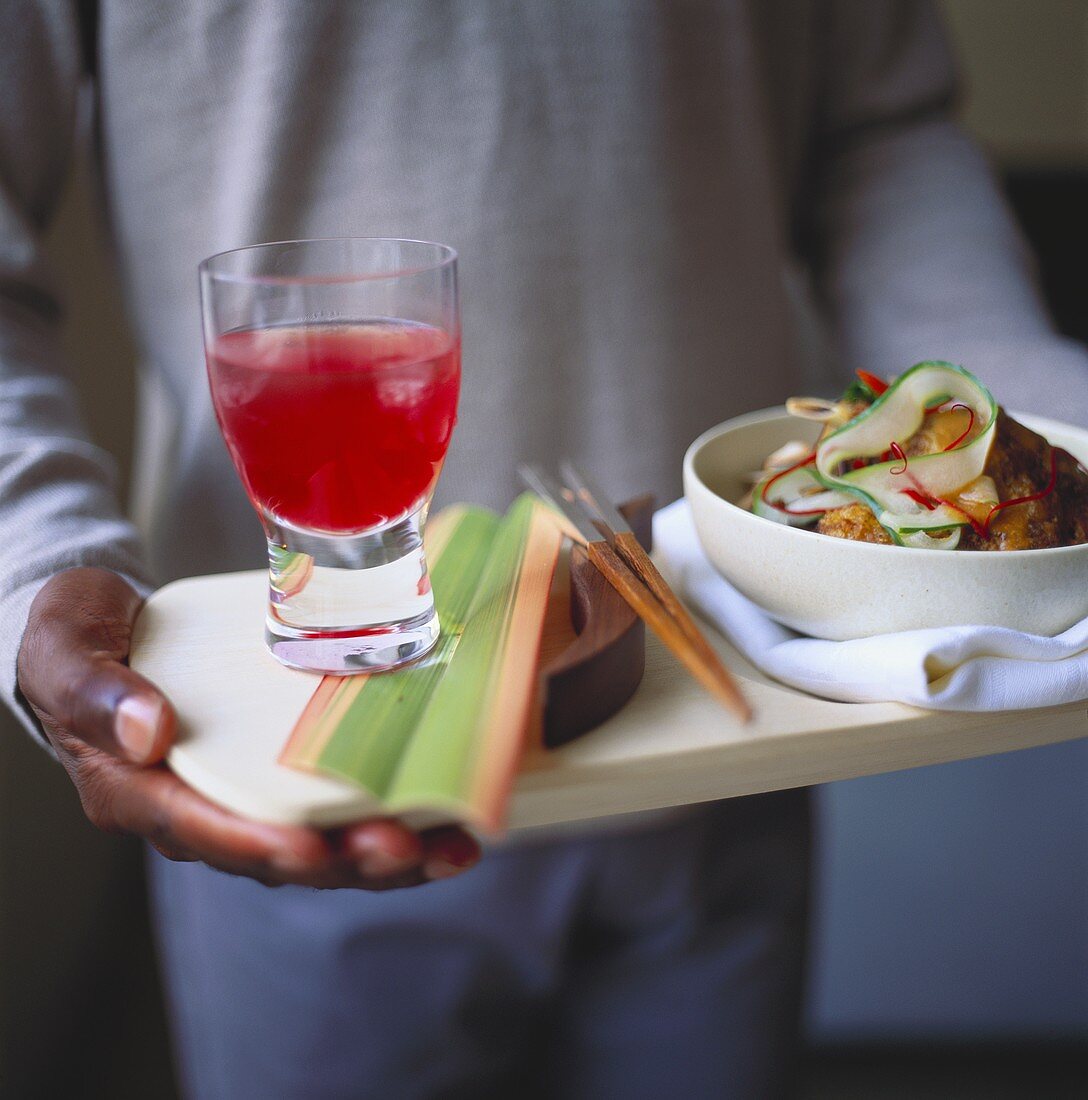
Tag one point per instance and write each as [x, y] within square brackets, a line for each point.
[383, 837]
[456, 854]
[379, 863]
[438, 868]
[136, 725]
[290, 863]
[460, 850]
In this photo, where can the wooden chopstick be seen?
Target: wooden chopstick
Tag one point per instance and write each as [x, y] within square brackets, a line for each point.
[620, 558]
[667, 617]
[630, 550]
[589, 498]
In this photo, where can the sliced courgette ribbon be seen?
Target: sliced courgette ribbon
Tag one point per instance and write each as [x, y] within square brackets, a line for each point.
[780, 498]
[896, 415]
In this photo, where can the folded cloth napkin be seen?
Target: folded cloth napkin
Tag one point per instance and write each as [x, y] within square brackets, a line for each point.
[969, 668]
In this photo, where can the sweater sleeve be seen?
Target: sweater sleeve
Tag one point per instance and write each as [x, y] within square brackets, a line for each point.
[58, 501]
[915, 252]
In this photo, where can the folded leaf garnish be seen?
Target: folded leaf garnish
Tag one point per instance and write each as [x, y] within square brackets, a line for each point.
[448, 731]
[356, 727]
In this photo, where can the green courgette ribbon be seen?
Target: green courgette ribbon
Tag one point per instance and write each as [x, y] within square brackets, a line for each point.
[897, 414]
[892, 489]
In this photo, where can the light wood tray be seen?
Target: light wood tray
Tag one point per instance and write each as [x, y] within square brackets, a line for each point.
[201, 641]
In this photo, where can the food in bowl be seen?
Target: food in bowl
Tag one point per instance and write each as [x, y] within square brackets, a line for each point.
[929, 461]
[842, 588]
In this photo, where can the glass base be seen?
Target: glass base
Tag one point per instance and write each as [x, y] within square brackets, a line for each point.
[346, 604]
[365, 650]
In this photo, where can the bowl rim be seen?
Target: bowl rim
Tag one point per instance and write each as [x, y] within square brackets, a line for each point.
[778, 412]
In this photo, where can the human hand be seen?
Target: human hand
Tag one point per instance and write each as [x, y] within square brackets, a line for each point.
[111, 729]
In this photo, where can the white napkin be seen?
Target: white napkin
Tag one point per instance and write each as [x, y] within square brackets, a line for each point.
[970, 668]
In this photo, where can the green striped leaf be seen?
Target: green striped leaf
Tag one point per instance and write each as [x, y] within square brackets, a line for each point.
[447, 733]
[356, 727]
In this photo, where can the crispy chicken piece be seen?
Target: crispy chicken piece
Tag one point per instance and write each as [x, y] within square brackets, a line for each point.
[855, 521]
[1019, 463]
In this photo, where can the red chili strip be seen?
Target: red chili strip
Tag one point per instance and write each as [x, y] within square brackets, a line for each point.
[898, 452]
[782, 473]
[967, 431]
[931, 503]
[978, 528]
[921, 498]
[1050, 485]
[877, 385]
[789, 470]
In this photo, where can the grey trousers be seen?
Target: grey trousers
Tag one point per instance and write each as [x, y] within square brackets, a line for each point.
[661, 962]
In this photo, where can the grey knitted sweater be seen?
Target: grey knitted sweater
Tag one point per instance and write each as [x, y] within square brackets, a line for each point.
[644, 195]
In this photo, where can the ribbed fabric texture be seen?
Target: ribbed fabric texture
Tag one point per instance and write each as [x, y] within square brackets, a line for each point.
[637, 190]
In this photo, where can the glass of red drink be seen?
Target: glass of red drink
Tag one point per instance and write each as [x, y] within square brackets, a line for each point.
[335, 367]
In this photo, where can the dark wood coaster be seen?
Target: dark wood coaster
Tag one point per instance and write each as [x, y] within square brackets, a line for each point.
[602, 661]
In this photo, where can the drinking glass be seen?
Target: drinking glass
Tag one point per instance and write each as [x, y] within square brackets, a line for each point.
[335, 367]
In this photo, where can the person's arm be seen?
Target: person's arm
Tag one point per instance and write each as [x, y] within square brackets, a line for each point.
[915, 253]
[67, 595]
[58, 503]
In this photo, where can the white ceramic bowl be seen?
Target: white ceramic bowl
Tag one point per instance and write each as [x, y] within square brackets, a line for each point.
[836, 588]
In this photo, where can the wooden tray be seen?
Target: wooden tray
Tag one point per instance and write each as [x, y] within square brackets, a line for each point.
[201, 640]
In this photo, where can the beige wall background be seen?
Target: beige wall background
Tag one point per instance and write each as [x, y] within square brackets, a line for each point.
[70, 904]
[1026, 64]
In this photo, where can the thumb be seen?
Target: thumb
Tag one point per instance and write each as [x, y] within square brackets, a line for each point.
[72, 670]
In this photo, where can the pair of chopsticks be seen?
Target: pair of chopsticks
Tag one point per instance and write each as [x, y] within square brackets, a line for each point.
[595, 523]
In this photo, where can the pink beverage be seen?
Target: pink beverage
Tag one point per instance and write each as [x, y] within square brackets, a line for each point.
[335, 367]
[338, 428]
